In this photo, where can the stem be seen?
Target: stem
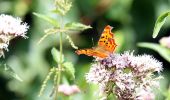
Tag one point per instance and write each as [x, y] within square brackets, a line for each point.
[60, 63]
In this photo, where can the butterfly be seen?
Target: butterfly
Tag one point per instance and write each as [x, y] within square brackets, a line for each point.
[106, 45]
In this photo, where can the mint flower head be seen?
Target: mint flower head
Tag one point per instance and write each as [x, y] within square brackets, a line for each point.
[10, 28]
[125, 75]
[68, 89]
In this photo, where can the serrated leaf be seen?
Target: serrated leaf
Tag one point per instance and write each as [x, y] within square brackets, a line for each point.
[11, 72]
[48, 19]
[164, 52]
[159, 22]
[56, 55]
[69, 68]
[71, 42]
[76, 26]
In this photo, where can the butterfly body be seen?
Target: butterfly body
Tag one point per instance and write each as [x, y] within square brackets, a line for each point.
[106, 45]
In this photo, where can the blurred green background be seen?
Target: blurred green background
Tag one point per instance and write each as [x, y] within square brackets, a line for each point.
[133, 22]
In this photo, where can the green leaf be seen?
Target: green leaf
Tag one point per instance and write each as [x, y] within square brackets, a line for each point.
[56, 55]
[11, 72]
[164, 52]
[48, 19]
[76, 26]
[71, 42]
[69, 68]
[159, 22]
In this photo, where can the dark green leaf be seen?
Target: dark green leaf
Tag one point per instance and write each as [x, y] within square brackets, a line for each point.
[69, 68]
[159, 22]
[76, 26]
[56, 55]
[48, 19]
[164, 52]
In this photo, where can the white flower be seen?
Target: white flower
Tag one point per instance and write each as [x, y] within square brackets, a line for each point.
[10, 28]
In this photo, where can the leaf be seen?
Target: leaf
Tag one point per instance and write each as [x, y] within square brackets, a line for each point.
[76, 26]
[48, 19]
[71, 42]
[11, 72]
[69, 68]
[159, 22]
[56, 55]
[164, 52]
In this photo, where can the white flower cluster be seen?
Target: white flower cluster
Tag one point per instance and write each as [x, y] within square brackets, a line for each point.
[125, 75]
[10, 28]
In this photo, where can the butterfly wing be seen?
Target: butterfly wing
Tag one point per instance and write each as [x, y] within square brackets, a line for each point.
[107, 40]
[106, 45]
[92, 52]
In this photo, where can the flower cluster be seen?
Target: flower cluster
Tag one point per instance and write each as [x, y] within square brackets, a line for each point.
[125, 75]
[68, 89]
[10, 28]
[165, 41]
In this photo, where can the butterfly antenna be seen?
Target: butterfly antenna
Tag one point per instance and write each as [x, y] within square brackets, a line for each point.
[93, 41]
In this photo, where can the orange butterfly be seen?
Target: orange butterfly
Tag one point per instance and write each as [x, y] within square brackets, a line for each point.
[106, 45]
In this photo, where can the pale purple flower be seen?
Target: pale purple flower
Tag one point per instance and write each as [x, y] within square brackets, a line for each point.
[10, 28]
[68, 89]
[125, 75]
[165, 41]
[101, 74]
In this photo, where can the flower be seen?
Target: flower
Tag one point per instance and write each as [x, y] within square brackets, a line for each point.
[145, 95]
[125, 75]
[165, 41]
[10, 28]
[68, 90]
[97, 74]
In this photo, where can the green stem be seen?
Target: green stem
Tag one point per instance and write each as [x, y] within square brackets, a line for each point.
[60, 63]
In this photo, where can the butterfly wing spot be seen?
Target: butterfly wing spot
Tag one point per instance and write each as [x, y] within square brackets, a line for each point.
[107, 44]
[106, 40]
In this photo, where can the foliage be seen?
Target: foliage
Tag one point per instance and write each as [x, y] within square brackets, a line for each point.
[164, 52]
[159, 23]
[10, 72]
[62, 7]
